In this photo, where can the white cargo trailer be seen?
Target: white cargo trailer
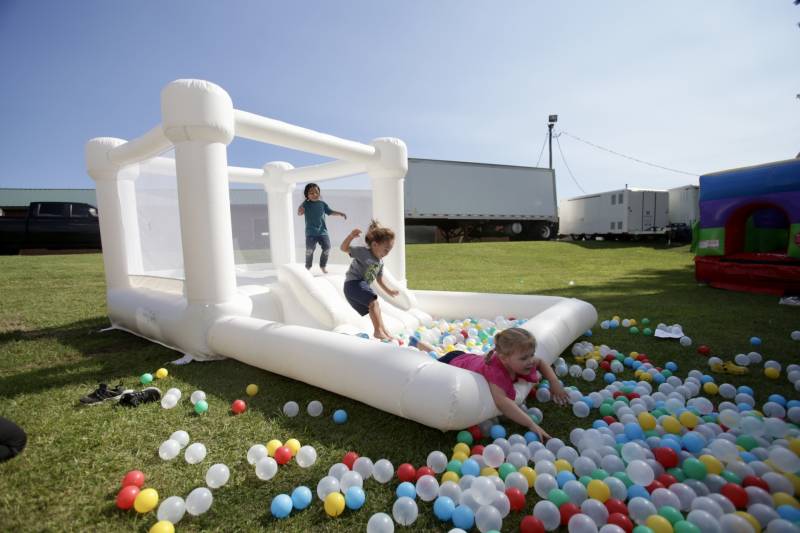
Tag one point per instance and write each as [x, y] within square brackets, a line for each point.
[467, 200]
[621, 213]
[684, 205]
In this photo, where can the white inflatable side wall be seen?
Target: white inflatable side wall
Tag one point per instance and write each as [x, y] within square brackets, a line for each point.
[292, 322]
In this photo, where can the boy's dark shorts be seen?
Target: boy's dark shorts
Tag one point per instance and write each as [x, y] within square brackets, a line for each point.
[359, 295]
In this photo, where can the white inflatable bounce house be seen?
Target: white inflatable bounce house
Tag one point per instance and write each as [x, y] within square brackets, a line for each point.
[175, 276]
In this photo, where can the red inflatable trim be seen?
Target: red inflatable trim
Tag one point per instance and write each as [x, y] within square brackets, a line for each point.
[775, 274]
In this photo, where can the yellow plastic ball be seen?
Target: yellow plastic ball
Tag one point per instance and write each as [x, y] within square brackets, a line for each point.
[146, 501]
[646, 377]
[460, 456]
[783, 498]
[163, 526]
[450, 476]
[488, 471]
[688, 419]
[658, 524]
[251, 389]
[334, 504]
[713, 465]
[529, 473]
[671, 425]
[772, 373]
[634, 355]
[710, 388]
[273, 445]
[461, 448]
[293, 445]
[633, 321]
[161, 373]
[598, 490]
[616, 317]
[794, 445]
[795, 481]
[647, 421]
[751, 519]
[562, 465]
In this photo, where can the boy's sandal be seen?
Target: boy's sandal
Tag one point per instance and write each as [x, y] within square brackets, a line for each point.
[735, 369]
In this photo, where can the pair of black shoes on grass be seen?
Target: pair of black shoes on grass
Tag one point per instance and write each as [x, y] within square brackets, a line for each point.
[126, 397]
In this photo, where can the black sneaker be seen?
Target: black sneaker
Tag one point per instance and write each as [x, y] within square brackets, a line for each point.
[134, 398]
[103, 394]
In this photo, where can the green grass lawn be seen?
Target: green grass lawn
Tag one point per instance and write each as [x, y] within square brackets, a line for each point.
[51, 353]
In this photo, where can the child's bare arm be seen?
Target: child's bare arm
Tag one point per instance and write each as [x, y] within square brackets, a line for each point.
[301, 210]
[389, 291]
[338, 214]
[511, 410]
[345, 247]
[560, 396]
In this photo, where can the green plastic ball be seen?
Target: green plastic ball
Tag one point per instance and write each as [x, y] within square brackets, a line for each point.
[695, 469]
[146, 378]
[684, 526]
[201, 407]
[505, 469]
[465, 437]
[558, 497]
[670, 513]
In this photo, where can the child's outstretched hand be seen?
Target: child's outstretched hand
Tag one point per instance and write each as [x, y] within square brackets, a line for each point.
[559, 395]
[355, 233]
[392, 292]
[543, 435]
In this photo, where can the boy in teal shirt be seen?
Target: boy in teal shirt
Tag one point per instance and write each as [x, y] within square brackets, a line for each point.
[314, 211]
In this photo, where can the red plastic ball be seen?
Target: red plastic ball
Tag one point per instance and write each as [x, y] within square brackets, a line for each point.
[736, 494]
[654, 485]
[515, 498]
[476, 450]
[616, 506]
[349, 459]
[475, 431]
[283, 455]
[621, 520]
[703, 349]
[753, 481]
[424, 471]
[568, 510]
[238, 407]
[617, 394]
[134, 477]
[667, 480]
[126, 495]
[406, 472]
[666, 456]
[608, 419]
[531, 524]
[605, 365]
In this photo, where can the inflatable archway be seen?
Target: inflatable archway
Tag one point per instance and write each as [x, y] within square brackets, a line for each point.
[749, 233]
[278, 316]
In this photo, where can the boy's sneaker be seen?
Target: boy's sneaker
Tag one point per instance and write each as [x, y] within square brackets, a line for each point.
[134, 398]
[103, 393]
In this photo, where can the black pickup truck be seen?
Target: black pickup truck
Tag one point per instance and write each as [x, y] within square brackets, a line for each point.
[49, 225]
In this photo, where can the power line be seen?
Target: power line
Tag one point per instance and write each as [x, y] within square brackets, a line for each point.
[558, 143]
[609, 150]
[544, 143]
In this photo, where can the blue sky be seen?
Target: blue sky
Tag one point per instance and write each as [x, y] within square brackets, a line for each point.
[695, 86]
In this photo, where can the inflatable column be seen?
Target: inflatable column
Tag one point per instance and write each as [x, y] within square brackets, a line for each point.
[280, 212]
[116, 203]
[387, 173]
[197, 117]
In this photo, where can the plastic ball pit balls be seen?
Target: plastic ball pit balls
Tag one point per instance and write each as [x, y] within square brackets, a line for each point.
[126, 496]
[424, 471]
[281, 506]
[465, 437]
[736, 494]
[334, 504]
[283, 455]
[567, 511]
[238, 407]
[273, 445]
[162, 526]
[301, 497]
[161, 373]
[340, 416]
[350, 458]
[443, 508]
[406, 472]
[354, 498]
[531, 524]
[621, 520]
[772, 373]
[200, 407]
[145, 501]
[515, 498]
[251, 389]
[755, 341]
[134, 477]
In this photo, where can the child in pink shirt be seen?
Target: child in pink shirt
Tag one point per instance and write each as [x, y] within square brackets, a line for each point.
[511, 360]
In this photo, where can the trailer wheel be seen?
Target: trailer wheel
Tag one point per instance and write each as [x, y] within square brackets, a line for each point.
[542, 231]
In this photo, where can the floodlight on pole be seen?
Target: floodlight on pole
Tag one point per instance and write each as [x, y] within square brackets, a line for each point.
[551, 121]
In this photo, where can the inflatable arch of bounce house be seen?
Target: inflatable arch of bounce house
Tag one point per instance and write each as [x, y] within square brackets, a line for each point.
[277, 315]
[748, 238]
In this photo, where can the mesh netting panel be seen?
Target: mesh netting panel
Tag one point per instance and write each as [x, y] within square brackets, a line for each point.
[159, 219]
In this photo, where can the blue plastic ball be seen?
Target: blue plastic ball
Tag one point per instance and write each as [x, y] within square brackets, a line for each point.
[637, 490]
[634, 431]
[354, 498]
[563, 477]
[787, 512]
[706, 379]
[301, 497]
[281, 506]
[777, 398]
[672, 367]
[588, 333]
[609, 378]
[340, 416]
[755, 341]
[744, 389]
[470, 467]
[530, 436]
[693, 441]
[463, 517]
[406, 488]
[613, 324]
[497, 432]
[443, 508]
[599, 423]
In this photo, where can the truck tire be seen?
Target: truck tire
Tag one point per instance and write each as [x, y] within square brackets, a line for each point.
[541, 231]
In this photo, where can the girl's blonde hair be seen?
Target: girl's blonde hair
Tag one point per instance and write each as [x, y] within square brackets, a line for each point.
[512, 340]
[377, 233]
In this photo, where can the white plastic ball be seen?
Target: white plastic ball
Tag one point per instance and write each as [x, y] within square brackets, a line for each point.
[217, 475]
[350, 479]
[488, 518]
[172, 509]
[181, 436]
[548, 513]
[383, 471]
[169, 449]
[266, 468]
[291, 409]
[427, 488]
[199, 501]
[197, 396]
[493, 455]
[405, 511]
[327, 485]
[314, 408]
[195, 453]
[437, 461]
[256, 452]
[306, 456]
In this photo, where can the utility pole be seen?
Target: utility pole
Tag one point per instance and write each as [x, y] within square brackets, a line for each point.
[551, 121]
